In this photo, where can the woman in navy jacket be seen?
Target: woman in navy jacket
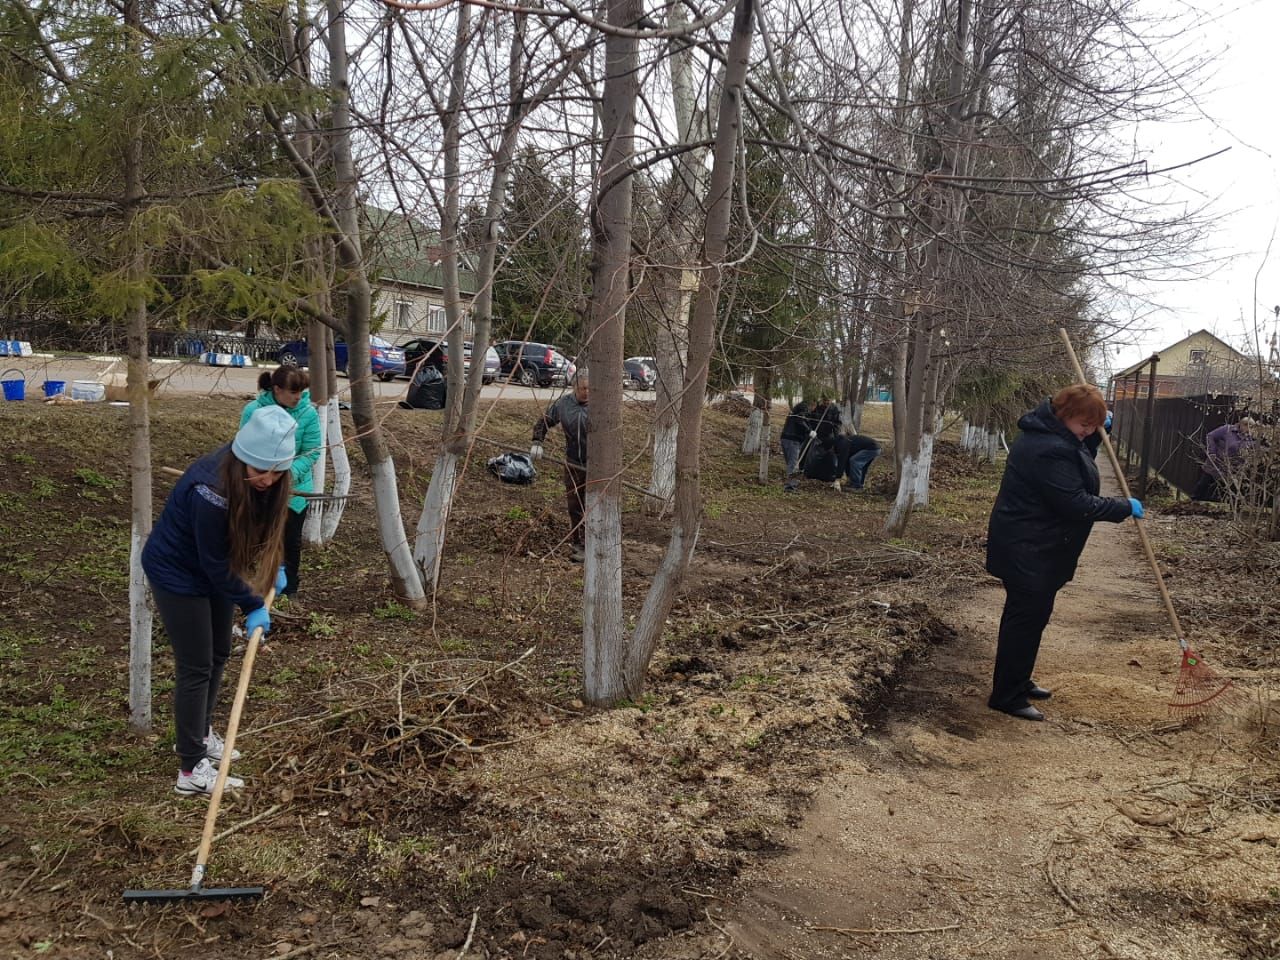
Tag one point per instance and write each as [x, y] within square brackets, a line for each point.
[218, 545]
[1047, 505]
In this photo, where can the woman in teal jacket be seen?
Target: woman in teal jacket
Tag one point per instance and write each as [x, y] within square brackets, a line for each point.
[287, 387]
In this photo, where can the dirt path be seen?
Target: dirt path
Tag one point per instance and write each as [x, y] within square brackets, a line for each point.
[1105, 832]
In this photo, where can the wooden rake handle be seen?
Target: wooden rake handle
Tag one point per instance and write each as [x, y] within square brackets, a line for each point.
[1137, 522]
[229, 743]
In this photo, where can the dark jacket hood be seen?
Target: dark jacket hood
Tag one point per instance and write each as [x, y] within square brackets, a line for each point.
[1043, 420]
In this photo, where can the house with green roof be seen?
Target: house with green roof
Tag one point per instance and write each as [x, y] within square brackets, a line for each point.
[407, 277]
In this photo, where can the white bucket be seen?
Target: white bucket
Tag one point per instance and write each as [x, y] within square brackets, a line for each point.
[89, 390]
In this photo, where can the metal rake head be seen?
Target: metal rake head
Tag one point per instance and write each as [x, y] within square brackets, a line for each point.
[1200, 690]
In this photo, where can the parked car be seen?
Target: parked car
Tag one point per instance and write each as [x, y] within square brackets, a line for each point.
[534, 364]
[387, 360]
[641, 371]
[435, 353]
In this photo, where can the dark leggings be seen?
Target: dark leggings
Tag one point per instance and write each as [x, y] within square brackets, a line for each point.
[293, 550]
[199, 630]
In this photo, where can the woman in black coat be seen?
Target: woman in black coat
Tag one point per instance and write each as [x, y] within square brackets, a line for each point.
[1047, 505]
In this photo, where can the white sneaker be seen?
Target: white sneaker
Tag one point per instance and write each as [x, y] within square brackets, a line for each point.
[213, 748]
[201, 780]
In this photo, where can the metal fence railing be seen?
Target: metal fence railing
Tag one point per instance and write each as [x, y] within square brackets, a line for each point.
[110, 338]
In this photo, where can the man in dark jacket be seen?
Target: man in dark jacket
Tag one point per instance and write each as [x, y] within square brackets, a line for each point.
[570, 411]
[1047, 505]
[795, 436]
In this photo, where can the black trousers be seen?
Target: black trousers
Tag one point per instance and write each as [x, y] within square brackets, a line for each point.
[1026, 613]
[293, 550]
[1207, 488]
[199, 630]
[575, 486]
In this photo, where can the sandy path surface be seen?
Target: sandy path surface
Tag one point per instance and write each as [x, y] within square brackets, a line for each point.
[1107, 831]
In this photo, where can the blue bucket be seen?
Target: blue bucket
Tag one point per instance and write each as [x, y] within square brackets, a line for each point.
[14, 389]
[53, 388]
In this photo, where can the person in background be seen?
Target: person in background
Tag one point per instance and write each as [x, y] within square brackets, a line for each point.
[570, 411]
[1224, 449]
[217, 546]
[1042, 517]
[287, 387]
[856, 452]
[794, 439]
[824, 461]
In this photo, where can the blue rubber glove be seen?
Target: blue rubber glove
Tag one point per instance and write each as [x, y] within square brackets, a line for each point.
[1137, 507]
[1106, 424]
[259, 618]
[282, 580]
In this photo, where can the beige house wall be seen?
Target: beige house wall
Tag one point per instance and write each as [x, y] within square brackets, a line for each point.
[409, 312]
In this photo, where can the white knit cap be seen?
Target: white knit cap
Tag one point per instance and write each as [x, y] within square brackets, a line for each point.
[267, 440]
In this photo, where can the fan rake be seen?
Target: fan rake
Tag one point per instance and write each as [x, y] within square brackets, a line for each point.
[1199, 690]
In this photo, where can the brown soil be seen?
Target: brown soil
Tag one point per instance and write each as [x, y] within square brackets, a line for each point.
[429, 784]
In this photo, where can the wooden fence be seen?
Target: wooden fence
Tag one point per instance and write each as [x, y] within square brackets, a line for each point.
[1178, 426]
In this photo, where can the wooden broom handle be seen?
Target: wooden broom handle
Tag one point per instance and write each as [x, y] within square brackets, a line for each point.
[229, 743]
[1137, 522]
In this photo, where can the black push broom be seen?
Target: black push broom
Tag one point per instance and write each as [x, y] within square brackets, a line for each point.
[197, 890]
[1199, 689]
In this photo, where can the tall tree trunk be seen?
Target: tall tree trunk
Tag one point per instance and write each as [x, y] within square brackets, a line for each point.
[764, 403]
[139, 414]
[676, 282]
[604, 661]
[405, 578]
[428, 545]
[460, 421]
[901, 353]
[923, 373]
[688, 501]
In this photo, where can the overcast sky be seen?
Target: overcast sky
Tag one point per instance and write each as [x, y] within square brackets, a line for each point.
[1240, 107]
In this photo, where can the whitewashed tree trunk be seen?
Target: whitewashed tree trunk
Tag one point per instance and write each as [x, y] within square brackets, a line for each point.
[900, 512]
[751, 441]
[312, 524]
[428, 544]
[923, 468]
[604, 674]
[341, 472]
[688, 498]
[139, 395]
[406, 579]
[766, 447]
[459, 429]
[675, 297]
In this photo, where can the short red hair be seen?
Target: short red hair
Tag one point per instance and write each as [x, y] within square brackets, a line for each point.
[1082, 400]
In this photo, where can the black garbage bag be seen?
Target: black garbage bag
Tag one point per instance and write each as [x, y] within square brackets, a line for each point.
[427, 392]
[821, 464]
[513, 468]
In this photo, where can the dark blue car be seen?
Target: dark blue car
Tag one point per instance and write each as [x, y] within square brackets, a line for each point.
[387, 361]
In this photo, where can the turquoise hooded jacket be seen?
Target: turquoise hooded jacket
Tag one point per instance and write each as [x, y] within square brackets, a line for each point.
[308, 433]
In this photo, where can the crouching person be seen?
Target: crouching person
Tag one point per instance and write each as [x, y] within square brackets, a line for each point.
[856, 453]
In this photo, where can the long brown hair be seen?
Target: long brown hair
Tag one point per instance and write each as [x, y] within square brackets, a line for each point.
[255, 524]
